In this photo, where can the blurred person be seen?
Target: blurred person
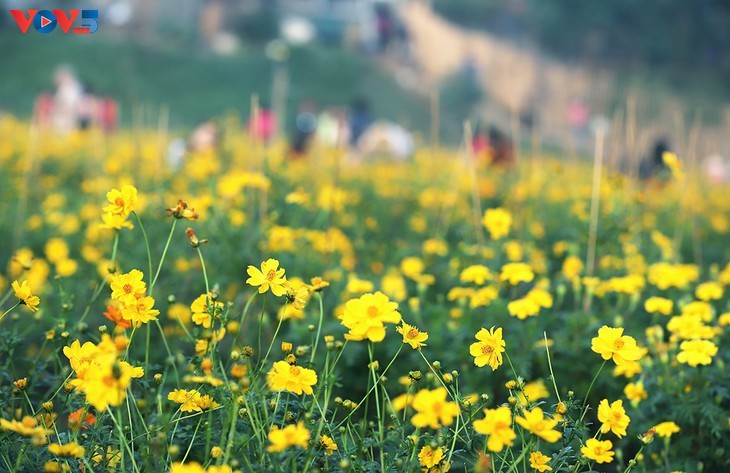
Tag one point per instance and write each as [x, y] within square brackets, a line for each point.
[88, 108]
[360, 119]
[305, 125]
[385, 25]
[493, 147]
[263, 126]
[204, 137]
[385, 139]
[332, 129]
[652, 166]
[66, 100]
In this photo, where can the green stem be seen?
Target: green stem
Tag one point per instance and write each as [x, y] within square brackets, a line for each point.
[205, 274]
[319, 328]
[585, 400]
[8, 311]
[550, 366]
[164, 253]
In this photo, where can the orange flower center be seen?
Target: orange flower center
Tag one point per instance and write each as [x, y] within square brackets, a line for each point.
[295, 370]
[413, 333]
[128, 288]
[119, 201]
[487, 350]
[271, 274]
[618, 344]
[372, 311]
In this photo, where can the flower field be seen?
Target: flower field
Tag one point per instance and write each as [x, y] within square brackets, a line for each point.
[240, 311]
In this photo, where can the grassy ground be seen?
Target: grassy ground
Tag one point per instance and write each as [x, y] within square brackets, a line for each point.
[193, 84]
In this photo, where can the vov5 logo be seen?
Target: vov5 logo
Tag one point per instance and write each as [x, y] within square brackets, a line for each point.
[45, 21]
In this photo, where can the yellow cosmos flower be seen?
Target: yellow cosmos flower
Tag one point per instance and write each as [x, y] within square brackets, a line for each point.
[613, 417]
[497, 222]
[366, 315]
[28, 427]
[709, 291]
[22, 292]
[205, 310]
[539, 462]
[69, 450]
[635, 392]
[515, 273]
[289, 436]
[488, 350]
[697, 352]
[612, 344]
[412, 336]
[477, 274]
[106, 383]
[534, 420]
[598, 450]
[292, 378]
[429, 457]
[666, 429]
[270, 276]
[327, 444]
[128, 287]
[141, 311]
[497, 424]
[122, 202]
[192, 401]
[659, 305]
[432, 408]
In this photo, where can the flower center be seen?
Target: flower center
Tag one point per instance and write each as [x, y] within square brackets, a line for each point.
[294, 370]
[618, 344]
[487, 350]
[413, 333]
[128, 288]
[271, 275]
[119, 201]
[372, 311]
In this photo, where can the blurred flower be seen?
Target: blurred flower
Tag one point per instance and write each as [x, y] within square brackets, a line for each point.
[289, 436]
[534, 420]
[598, 450]
[432, 408]
[635, 392]
[327, 444]
[498, 222]
[515, 273]
[697, 352]
[181, 211]
[497, 425]
[659, 305]
[69, 450]
[666, 429]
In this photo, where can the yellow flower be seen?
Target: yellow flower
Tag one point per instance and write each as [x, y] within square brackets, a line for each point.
[297, 294]
[429, 457]
[708, 291]
[412, 336]
[289, 436]
[612, 344]
[659, 305]
[539, 462]
[516, 273]
[432, 408]
[572, 268]
[192, 401]
[269, 277]
[28, 427]
[534, 420]
[497, 423]
[22, 292]
[674, 164]
[106, 383]
[488, 350]
[523, 308]
[613, 417]
[697, 352]
[329, 445]
[666, 429]
[366, 315]
[532, 392]
[497, 222]
[598, 451]
[635, 392]
[69, 450]
[412, 267]
[292, 378]
[190, 467]
[128, 287]
[477, 274]
[121, 202]
[204, 310]
[141, 311]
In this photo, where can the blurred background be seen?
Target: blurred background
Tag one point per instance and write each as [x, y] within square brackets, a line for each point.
[546, 73]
